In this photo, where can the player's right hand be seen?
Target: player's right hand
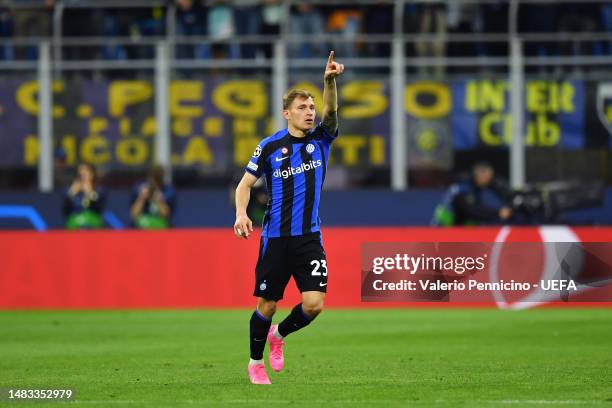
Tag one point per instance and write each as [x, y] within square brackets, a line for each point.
[243, 226]
[332, 68]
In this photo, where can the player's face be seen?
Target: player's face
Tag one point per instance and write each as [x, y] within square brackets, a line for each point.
[301, 114]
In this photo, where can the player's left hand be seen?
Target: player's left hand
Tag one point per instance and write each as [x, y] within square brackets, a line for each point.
[242, 226]
[333, 68]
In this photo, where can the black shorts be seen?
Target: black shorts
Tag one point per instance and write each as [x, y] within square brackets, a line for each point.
[302, 257]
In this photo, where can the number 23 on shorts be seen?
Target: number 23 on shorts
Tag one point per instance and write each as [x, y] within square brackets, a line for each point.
[319, 267]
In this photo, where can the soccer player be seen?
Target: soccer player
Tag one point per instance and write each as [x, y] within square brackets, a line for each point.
[294, 161]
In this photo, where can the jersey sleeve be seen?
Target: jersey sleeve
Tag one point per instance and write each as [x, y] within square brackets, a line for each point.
[256, 164]
[321, 133]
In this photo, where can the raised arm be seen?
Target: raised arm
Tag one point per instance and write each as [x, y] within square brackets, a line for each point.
[329, 116]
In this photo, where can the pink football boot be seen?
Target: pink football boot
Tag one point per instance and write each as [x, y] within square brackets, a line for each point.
[257, 374]
[276, 350]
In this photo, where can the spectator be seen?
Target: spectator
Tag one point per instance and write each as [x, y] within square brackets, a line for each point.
[247, 14]
[272, 18]
[379, 20]
[480, 200]
[463, 18]
[191, 21]
[432, 21]
[347, 23]
[150, 21]
[221, 27]
[153, 202]
[306, 20]
[32, 22]
[111, 22]
[111, 28]
[84, 200]
[144, 22]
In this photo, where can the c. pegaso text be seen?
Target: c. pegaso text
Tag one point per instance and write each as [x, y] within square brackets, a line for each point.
[412, 264]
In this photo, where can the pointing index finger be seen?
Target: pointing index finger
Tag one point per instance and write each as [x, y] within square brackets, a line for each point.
[330, 59]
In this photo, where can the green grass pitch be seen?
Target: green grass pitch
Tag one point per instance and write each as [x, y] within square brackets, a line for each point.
[393, 357]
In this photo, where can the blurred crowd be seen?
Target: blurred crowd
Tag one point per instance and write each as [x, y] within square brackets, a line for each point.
[225, 21]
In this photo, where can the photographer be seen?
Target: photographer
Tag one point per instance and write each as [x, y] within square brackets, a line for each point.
[480, 200]
[84, 200]
[152, 202]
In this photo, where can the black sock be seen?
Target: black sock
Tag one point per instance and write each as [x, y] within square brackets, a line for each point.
[296, 320]
[259, 328]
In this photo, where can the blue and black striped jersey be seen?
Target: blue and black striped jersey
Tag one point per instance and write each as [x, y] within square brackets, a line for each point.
[294, 168]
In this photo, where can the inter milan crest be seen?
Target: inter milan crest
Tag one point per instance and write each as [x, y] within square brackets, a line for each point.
[284, 150]
[310, 148]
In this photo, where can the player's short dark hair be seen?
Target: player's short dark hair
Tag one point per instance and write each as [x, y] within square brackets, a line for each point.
[295, 93]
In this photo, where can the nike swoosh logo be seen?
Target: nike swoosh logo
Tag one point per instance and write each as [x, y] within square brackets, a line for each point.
[259, 339]
[281, 158]
[322, 284]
